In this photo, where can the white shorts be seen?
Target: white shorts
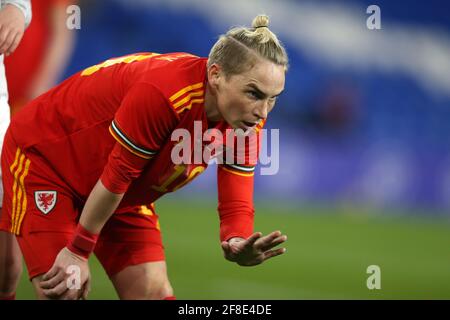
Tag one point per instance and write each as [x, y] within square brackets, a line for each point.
[4, 123]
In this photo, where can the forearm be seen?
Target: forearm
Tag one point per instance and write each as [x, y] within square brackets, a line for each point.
[24, 6]
[99, 207]
[58, 53]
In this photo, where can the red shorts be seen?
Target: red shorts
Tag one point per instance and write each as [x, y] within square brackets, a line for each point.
[43, 213]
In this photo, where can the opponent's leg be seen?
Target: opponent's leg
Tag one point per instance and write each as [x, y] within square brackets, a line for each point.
[10, 255]
[10, 265]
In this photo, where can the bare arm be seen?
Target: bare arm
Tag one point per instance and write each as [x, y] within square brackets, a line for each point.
[99, 207]
[58, 52]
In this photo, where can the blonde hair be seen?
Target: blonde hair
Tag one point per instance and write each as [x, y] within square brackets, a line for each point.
[238, 50]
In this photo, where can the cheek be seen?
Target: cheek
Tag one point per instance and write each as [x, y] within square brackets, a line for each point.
[271, 107]
[242, 104]
[232, 104]
[240, 108]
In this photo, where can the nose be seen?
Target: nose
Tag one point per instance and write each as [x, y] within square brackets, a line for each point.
[261, 110]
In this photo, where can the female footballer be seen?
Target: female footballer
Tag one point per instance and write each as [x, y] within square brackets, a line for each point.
[84, 163]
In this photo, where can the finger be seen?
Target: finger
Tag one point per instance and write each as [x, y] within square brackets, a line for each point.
[86, 289]
[70, 294]
[273, 253]
[252, 239]
[8, 40]
[14, 44]
[3, 38]
[56, 292]
[225, 246]
[275, 242]
[227, 252]
[51, 273]
[267, 240]
[53, 282]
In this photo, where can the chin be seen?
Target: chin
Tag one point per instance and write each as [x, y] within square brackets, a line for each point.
[232, 124]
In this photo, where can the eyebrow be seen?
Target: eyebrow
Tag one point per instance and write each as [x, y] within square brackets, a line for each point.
[260, 92]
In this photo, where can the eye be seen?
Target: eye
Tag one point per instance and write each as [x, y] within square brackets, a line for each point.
[254, 95]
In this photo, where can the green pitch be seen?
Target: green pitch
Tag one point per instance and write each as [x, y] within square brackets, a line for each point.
[328, 252]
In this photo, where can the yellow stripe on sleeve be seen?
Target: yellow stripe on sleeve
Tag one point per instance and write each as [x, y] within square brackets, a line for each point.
[188, 97]
[184, 90]
[189, 106]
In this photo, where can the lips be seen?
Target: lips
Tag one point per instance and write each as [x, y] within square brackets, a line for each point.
[249, 124]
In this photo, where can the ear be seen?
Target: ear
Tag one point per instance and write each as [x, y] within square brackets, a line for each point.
[214, 75]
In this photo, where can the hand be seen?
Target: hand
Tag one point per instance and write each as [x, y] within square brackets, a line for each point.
[12, 27]
[254, 250]
[56, 283]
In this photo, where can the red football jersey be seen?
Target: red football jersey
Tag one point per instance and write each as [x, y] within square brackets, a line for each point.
[114, 121]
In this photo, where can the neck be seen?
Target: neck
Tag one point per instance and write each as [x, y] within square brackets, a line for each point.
[212, 112]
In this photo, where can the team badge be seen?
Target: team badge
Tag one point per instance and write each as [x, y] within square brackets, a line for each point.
[45, 200]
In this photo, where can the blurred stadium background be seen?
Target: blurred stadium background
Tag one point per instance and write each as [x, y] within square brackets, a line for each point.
[364, 175]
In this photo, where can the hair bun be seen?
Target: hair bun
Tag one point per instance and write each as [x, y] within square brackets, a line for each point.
[261, 21]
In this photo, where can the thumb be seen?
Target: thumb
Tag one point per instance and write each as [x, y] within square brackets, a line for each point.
[225, 246]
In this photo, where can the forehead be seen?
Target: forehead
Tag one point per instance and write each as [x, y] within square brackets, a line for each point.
[267, 76]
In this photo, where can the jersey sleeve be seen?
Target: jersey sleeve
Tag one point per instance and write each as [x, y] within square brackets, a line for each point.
[235, 205]
[235, 187]
[141, 125]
